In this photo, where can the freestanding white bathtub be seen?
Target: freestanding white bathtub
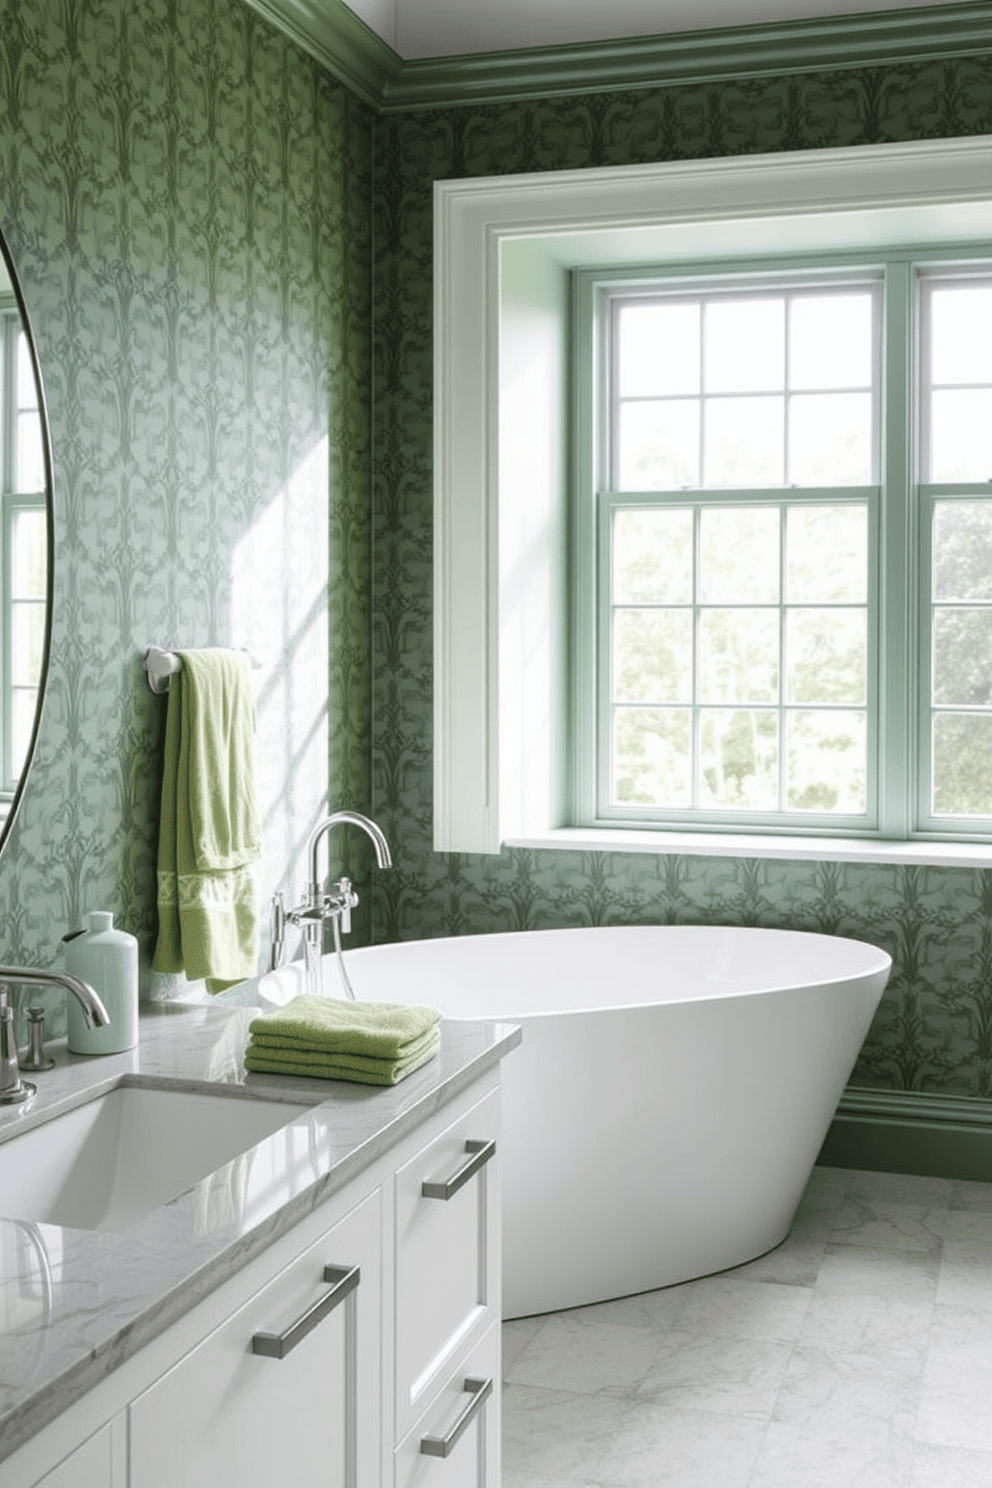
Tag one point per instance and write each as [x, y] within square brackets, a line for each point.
[666, 1107]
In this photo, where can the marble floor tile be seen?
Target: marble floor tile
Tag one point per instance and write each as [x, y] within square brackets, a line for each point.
[950, 1467]
[900, 1188]
[574, 1352]
[556, 1433]
[865, 1454]
[865, 1322]
[517, 1334]
[727, 1376]
[966, 1194]
[875, 1269]
[734, 1306]
[965, 1277]
[664, 1447]
[822, 1388]
[956, 1393]
[858, 1354]
[859, 1221]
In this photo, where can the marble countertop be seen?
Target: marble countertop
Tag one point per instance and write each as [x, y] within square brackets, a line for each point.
[74, 1304]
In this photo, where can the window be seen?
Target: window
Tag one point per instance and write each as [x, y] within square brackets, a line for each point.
[23, 539]
[790, 555]
[513, 662]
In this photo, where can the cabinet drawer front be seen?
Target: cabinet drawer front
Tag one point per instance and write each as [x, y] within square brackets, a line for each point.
[302, 1410]
[447, 1254]
[455, 1443]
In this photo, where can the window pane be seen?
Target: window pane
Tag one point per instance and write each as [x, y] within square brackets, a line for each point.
[652, 763]
[744, 442]
[830, 341]
[962, 550]
[744, 346]
[825, 762]
[961, 333]
[738, 656]
[652, 556]
[826, 554]
[739, 760]
[30, 555]
[739, 558]
[25, 707]
[30, 460]
[962, 658]
[27, 392]
[652, 656]
[659, 446]
[962, 764]
[27, 643]
[659, 350]
[830, 439]
[961, 435]
[826, 656]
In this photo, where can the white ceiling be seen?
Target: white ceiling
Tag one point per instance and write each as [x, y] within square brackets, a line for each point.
[438, 28]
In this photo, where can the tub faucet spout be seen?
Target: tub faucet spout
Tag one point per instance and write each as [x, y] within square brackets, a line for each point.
[318, 907]
[12, 1088]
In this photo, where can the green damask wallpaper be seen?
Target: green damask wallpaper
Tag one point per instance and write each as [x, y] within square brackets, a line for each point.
[217, 244]
[187, 197]
[934, 1029]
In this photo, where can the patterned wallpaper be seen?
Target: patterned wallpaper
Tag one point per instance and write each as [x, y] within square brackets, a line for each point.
[192, 204]
[186, 195]
[933, 1031]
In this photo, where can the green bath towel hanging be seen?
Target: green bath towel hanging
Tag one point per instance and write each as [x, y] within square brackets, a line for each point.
[209, 834]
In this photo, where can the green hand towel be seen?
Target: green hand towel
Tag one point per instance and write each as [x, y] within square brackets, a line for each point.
[280, 1048]
[364, 1071]
[329, 1025]
[209, 834]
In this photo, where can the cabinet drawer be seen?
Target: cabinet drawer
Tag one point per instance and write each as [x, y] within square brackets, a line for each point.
[284, 1391]
[447, 1254]
[456, 1442]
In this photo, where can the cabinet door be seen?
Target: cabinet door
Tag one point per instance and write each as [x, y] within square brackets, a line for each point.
[305, 1410]
[447, 1254]
[455, 1444]
[89, 1466]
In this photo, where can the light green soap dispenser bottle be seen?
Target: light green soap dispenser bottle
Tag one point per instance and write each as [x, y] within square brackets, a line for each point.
[108, 960]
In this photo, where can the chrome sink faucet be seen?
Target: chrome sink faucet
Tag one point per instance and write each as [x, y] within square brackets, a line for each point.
[318, 907]
[12, 1088]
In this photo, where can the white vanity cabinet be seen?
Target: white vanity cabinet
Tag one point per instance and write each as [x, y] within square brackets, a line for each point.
[284, 1391]
[384, 1304]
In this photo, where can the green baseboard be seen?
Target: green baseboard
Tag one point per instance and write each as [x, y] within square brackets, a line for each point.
[940, 1136]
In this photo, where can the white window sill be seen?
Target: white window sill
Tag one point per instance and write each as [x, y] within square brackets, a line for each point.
[742, 845]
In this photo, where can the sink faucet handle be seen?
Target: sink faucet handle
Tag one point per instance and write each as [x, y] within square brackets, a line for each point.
[35, 1058]
[13, 1090]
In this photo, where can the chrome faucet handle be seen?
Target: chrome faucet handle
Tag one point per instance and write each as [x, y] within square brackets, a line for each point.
[35, 1059]
[341, 902]
[13, 1090]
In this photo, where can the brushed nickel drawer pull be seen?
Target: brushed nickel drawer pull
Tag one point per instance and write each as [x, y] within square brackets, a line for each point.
[442, 1446]
[480, 1152]
[343, 1281]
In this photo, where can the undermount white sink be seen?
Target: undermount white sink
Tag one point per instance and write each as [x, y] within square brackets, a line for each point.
[107, 1163]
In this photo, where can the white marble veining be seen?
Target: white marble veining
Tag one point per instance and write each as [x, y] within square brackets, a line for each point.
[74, 1304]
[856, 1355]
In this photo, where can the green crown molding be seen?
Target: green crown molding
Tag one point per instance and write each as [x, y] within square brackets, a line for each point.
[359, 58]
[339, 41]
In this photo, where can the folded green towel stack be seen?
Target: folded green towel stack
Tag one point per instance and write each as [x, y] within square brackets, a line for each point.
[375, 1043]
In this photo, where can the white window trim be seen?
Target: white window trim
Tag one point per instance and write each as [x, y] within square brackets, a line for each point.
[503, 250]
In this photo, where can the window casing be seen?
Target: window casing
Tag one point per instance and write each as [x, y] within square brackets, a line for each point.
[751, 685]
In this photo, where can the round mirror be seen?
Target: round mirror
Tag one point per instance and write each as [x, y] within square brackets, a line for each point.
[25, 542]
